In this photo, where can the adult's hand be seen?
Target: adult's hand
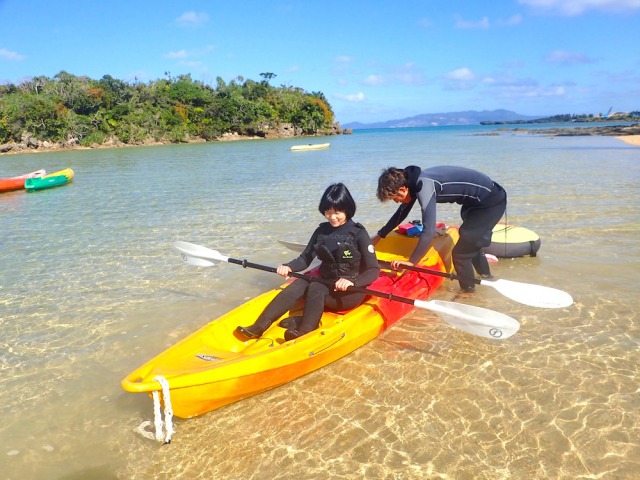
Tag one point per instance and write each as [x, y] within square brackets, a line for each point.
[283, 270]
[397, 264]
[342, 284]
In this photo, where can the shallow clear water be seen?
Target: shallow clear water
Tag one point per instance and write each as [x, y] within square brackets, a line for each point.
[90, 289]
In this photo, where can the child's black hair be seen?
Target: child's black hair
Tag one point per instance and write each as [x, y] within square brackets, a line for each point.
[338, 198]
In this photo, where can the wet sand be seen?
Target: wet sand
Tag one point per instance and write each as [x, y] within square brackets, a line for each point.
[631, 140]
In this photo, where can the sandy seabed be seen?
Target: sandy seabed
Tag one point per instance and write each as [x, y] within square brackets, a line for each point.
[631, 139]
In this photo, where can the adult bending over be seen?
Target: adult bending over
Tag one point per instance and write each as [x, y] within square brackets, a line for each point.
[348, 259]
[483, 204]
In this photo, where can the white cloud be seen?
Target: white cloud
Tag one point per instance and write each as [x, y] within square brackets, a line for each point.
[578, 7]
[410, 78]
[406, 74]
[344, 59]
[409, 75]
[468, 24]
[562, 57]
[184, 54]
[192, 19]
[550, 91]
[460, 74]
[190, 63]
[485, 23]
[626, 76]
[460, 79]
[178, 54]
[354, 97]
[521, 88]
[374, 80]
[511, 21]
[9, 55]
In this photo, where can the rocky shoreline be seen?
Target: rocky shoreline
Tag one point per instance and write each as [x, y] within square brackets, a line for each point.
[609, 131]
[30, 144]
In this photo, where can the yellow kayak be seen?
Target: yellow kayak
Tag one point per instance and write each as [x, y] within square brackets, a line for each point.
[212, 368]
[310, 146]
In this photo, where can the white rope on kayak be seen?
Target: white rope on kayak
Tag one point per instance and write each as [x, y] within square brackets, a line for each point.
[157, 414]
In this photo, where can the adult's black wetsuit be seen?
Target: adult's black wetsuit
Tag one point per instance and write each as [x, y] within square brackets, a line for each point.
[483, 204]
[346, 252]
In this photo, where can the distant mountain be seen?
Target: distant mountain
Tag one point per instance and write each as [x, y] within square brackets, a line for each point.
[470, 117]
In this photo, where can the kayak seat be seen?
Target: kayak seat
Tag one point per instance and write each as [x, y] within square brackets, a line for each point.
[328, 317]
[342, 312]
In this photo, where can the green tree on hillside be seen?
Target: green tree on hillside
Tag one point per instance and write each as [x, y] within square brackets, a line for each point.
[67, 107]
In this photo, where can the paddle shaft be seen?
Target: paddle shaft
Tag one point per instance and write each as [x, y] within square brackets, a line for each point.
[430, 271]
[527, 294]
[474, 320]
[300, 247]
[366, 291]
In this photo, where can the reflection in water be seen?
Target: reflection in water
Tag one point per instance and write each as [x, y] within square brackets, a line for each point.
[91, 288]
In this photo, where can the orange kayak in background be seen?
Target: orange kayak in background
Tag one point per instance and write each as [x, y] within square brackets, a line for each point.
[17, 183]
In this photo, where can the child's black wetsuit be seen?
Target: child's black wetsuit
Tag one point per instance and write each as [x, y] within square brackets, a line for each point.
[346, 252]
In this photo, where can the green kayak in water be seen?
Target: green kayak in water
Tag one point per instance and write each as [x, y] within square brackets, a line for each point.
[49, 181]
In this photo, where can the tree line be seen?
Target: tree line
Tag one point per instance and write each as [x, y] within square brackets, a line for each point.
[80, 109]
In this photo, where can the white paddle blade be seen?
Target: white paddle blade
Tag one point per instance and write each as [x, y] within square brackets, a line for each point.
[199, 252]
[195, 261]
[532, 295]
[475, 320]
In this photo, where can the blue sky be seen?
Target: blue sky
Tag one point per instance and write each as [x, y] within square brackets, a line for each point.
[373, 60]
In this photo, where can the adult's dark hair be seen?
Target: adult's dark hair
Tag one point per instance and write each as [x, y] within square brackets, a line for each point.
[338, 198]
[390, 181]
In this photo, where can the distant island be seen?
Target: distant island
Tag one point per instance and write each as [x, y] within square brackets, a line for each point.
[69, 111]
[469, 117]
[569, 118]
[487, 117]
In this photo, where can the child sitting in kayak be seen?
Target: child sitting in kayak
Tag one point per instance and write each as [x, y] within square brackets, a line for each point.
[348, 259]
